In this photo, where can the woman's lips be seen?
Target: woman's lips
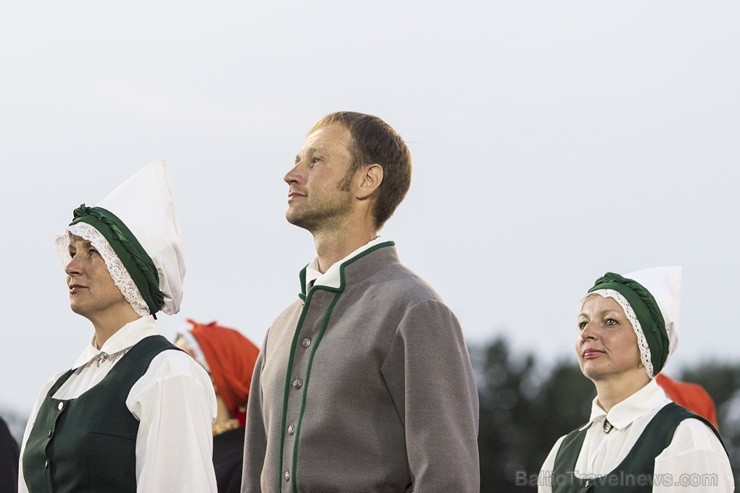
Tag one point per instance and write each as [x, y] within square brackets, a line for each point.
[592, 353]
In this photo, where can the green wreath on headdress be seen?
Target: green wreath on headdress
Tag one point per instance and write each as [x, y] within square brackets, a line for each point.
[135, 259]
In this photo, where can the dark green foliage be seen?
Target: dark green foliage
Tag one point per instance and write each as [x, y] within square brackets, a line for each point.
[525, 408]
[720, 379]
[522, 413]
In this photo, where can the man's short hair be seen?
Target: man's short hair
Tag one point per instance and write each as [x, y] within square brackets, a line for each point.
[373, 141]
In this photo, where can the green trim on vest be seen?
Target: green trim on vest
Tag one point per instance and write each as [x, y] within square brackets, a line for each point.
[89, 443]
[306, 298]
[635, 472]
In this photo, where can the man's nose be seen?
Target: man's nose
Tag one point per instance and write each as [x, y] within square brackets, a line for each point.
[293, 175]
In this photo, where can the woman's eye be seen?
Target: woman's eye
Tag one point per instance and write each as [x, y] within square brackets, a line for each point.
[581, 325]
[611, 321]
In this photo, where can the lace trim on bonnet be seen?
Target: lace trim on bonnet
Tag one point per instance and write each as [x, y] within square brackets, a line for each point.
[117, 271]
[642, 344]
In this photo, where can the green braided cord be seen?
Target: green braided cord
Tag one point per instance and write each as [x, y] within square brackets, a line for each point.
[647, 311]
[138, 263]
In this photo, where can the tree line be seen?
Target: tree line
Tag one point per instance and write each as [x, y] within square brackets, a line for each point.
[525, 407]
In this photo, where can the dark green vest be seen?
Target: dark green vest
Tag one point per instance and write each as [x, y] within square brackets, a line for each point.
[635, 472]
[88, 444]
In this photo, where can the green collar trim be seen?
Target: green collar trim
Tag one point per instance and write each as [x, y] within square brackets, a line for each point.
[342, 266]
[317, 341]
[306, 298]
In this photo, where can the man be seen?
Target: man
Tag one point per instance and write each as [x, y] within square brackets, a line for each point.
[364, 383]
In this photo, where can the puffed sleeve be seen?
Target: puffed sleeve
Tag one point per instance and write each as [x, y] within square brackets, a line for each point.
[175, 404]
[694, 461]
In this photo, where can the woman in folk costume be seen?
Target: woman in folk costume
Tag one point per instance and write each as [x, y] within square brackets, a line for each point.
[134, 413]
[229, 358]
[636, 438]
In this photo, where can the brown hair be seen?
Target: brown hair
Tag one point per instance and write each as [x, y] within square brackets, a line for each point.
[375, 142]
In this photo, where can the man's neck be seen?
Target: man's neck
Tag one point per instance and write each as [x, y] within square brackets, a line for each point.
[330, 248]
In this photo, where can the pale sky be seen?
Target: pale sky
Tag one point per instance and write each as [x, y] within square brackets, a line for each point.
[552, 142]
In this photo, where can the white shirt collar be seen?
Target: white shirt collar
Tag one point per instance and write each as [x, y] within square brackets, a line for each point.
[331, 278]
[123, 339]
[638, 404]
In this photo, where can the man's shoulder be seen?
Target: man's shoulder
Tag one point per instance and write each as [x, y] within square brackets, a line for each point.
[396, 285]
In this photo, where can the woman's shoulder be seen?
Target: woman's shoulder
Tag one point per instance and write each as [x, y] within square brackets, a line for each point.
[175, 362]
[696, 434]
[696, 453]
[171, 367]
[171, 372]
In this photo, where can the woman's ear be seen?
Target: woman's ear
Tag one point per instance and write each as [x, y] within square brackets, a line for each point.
[370, 179]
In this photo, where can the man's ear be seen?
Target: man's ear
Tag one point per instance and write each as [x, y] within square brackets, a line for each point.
[371, 176]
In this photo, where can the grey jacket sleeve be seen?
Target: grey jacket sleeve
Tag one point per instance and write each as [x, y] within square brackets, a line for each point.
[429, 374]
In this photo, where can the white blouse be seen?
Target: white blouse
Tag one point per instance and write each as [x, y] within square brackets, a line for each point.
[174, 402]
[694, 461]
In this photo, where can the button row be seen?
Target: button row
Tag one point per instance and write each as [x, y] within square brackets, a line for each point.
[297, 384]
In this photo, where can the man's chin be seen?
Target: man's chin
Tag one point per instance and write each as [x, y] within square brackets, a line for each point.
[297, 220]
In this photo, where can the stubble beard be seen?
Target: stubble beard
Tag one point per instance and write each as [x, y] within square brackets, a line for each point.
[314, 219]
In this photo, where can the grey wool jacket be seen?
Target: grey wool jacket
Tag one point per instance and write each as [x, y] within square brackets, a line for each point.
[366, 387]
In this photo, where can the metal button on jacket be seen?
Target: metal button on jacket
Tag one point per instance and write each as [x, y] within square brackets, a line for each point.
[60, 406]
[287, 476]
[291, 429]
[297, 383]
[306, 342]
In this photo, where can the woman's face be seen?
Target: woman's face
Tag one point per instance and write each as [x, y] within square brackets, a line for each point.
[606, 344]
[92, 292]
